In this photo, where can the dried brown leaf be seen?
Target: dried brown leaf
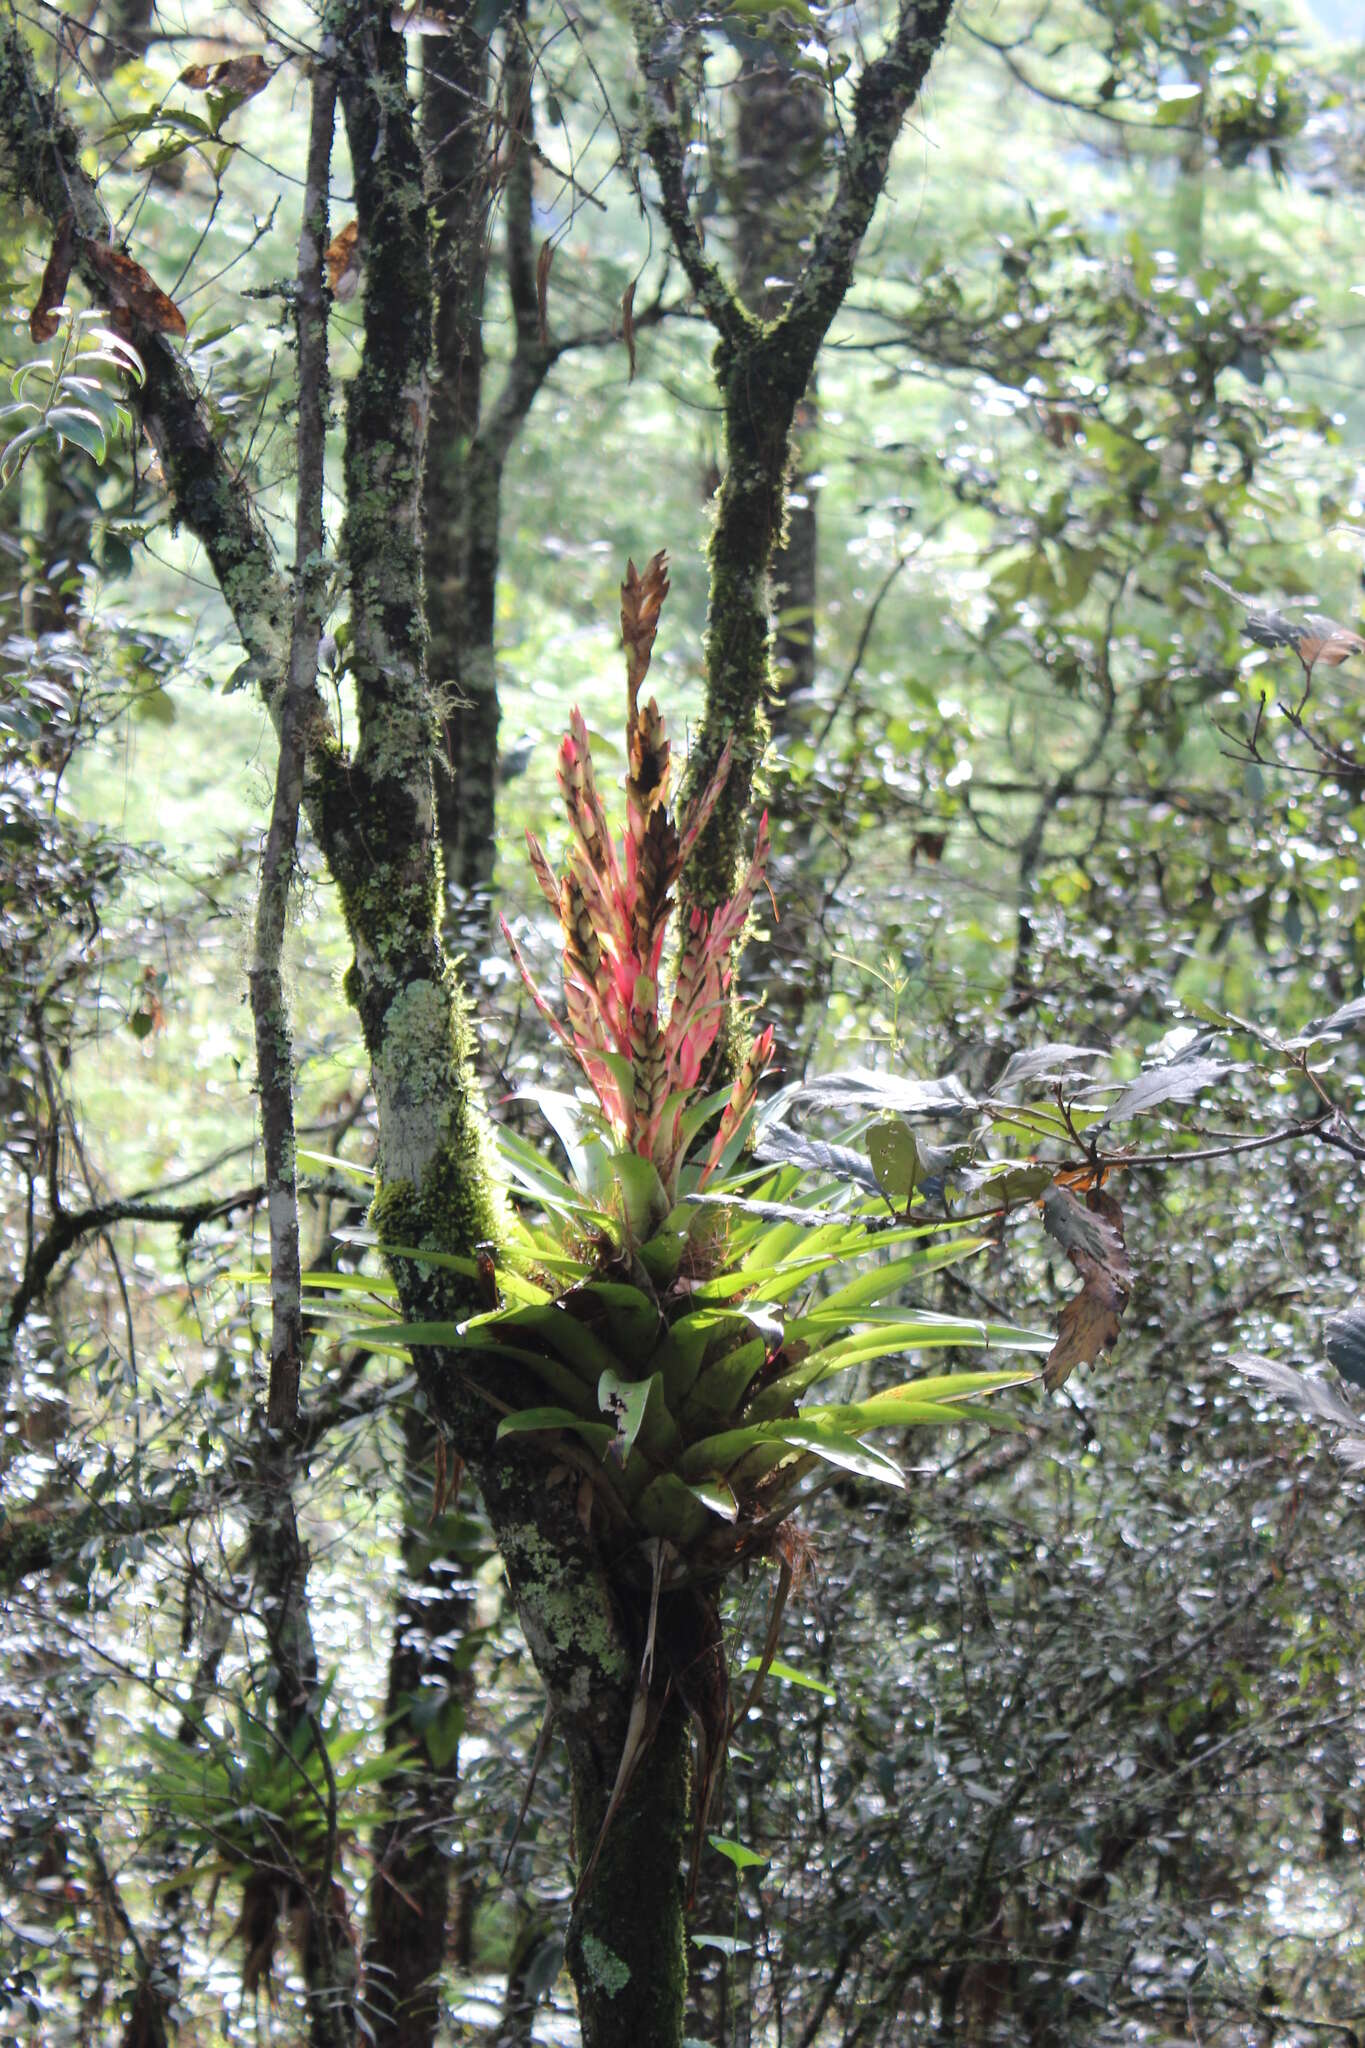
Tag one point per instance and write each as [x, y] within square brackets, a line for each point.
[131, 291]
[1087, 1325]
[628, 326]
[543, 262]
[1092, 1238]
[245, 76]
[342, 257]
[43, 322]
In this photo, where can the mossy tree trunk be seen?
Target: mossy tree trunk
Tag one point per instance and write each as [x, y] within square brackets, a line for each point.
[627, 1941]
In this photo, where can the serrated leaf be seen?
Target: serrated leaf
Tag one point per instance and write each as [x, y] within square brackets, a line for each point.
[1045, 1063]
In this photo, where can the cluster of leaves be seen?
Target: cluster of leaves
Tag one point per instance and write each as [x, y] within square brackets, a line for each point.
[72, 396]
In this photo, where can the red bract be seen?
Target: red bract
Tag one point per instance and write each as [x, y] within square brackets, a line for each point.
[614, 911]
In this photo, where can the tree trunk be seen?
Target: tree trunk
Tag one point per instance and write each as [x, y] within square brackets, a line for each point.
[456, 119]
[779, 144]
[626, 1946]
[410, 1895]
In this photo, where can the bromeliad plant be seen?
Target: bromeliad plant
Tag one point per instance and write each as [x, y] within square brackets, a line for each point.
[666, 1302]
[663, 1323]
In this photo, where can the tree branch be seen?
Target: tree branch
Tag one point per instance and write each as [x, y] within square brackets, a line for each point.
[658, 49]
[69, 1226]
[886, 90]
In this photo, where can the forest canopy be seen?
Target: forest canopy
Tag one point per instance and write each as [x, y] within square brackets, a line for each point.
[682, 987]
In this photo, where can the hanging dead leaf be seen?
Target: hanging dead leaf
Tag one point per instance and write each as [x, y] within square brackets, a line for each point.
[131, 291]
[1092, 1237]
[342, 257]
[1094, 1227]
[543, 262]
[43, 322]
[1087, 1325]
[245, 76]
[486, 1268]
[628, 326]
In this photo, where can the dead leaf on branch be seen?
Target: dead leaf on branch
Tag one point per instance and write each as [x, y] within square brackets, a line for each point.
[1091, 1235]
[1087, 1325]
[245, 76]
[133, 293]
[1094, 1226]
[342, 257]
[43, 322]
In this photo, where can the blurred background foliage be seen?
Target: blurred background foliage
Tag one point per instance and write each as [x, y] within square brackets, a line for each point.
[1070, 1748]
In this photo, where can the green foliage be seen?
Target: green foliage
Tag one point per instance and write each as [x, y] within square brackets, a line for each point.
[684, 1362]
[64, 397]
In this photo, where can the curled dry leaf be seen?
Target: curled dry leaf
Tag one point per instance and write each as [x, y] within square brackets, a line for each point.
[1084, 1226]
[245, 76]
[1091, 1234]
[43, 322]
[342, 257]
[543, 262]
[133, 293]
[628, 326]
